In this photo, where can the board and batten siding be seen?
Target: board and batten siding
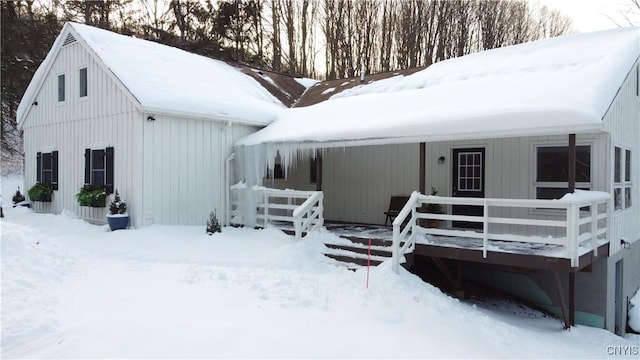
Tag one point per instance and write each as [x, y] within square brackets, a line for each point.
[359, 181]
[184, 168]
[510, 172]
[105, 117]
[622, 122]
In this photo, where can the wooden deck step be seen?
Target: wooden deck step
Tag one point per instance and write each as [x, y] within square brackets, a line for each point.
[378, 251]
[348, 260]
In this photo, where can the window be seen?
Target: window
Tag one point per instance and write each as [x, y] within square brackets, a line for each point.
[61, 88]
[47, 168]
[552, 175]
[313, 171]
[83, 82]
[622, 178]
[277, 172]
[98, 168]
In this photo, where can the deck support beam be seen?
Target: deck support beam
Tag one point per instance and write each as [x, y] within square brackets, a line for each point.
[572, 298]
[455, 281]
[563, 306]
[422, 168]
[572, 164]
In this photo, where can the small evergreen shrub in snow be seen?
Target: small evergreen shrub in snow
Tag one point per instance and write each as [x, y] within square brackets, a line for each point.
[117, 206]
[40, 192]
[18, 197]
[213, 225]
[89, 195]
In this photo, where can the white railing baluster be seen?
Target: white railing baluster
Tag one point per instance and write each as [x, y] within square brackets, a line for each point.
[485, 229]
[594, 227]
[575, 228]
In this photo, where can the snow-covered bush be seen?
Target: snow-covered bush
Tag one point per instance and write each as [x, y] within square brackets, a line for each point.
[117, 206]
[213, 225]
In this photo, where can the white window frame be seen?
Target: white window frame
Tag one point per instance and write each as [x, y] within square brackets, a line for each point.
[64, 76]
[80, 96]
[623, 185]
[561, 184]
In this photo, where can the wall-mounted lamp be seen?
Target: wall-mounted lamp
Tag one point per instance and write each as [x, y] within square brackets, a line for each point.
[625, 243]
[441, 160]
[151, 118]
[34, 103]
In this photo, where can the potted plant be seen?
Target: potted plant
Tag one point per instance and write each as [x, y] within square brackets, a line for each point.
[118, 217]
[40, 192]
[433, 209]
[94, 196]
[17, 197]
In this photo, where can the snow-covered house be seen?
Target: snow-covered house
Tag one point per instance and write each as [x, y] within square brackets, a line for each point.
[497, 133]
[154, 122]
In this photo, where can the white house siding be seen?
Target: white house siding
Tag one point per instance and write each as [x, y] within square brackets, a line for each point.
[184, 162]
[106, 117]
[510, 171]
[623, 123]
[358, 181]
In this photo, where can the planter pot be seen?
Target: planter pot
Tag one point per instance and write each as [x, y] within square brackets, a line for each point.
[44, 198]
[118, 222]
[433, 223]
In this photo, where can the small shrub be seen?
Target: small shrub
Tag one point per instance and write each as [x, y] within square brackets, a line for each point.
[40, 192]
[213, 225]
[117, 206]
[434, 208]
[18, 197]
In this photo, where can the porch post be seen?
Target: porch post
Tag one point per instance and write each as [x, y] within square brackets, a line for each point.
[572, 298]
[318, 170]
[563, 306]
[572, 164]
[422, 169]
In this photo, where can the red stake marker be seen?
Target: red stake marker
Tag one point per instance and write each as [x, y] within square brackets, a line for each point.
[368, 262]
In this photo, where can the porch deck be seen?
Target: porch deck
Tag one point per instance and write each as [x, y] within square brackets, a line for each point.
[511, 253]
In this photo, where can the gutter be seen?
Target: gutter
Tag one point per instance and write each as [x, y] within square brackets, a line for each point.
[220, 118]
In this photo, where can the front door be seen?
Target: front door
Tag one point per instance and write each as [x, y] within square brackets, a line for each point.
[468, 181]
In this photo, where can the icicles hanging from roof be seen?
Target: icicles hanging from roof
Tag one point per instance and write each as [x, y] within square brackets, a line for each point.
[255, 160]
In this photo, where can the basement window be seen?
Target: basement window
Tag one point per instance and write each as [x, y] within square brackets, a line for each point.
[47, 168]
[552, 175]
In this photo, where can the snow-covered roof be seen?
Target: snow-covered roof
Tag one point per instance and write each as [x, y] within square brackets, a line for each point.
[554, 86]
[163, 78]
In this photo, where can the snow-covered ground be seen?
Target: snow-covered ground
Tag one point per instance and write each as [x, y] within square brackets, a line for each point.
[75, 290]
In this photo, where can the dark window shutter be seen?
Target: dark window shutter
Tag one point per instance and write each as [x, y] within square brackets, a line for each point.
[109, 170]
[87, 167]
[54, 170]
[39, 167]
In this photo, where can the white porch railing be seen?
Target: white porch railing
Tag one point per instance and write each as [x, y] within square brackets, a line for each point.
[260, 206]
[582, 218]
